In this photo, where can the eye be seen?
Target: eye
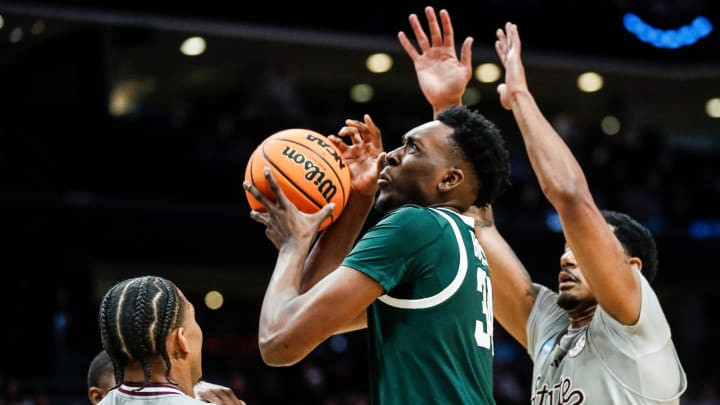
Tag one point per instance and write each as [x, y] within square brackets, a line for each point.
[410, 145]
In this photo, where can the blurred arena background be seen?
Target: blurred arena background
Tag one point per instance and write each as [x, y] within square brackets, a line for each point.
[122, 153]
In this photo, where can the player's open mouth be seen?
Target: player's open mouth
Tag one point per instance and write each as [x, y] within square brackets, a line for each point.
[383, 179]
[566, 280]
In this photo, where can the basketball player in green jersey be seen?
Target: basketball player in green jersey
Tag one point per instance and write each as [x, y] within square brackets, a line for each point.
[418, 279]
[603, 337]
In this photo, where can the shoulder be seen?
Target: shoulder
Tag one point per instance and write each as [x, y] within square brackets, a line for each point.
[409, 217]
[545, 310]
[651, 323]
[545, 301]
[407, 210]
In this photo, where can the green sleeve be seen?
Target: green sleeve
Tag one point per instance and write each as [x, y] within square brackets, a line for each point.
[390, 252]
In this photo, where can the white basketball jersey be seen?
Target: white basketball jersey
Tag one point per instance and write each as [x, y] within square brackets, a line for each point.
[603, 362]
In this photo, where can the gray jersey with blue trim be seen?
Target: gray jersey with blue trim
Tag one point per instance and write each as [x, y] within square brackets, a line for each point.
[603, 362]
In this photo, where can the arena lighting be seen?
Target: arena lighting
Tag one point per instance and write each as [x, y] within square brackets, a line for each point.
[193, 46]
[214, 299]
[610, 125]
[16, 35]
[379, 62]
[339, 343]
[590, 82]
[362, 93]
[487, 73]
[704, 229]
[38, 27]
[686, 35]
[552, 221]
[712, 107]
[471, 96]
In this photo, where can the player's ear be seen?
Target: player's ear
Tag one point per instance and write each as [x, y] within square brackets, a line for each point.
[177, 344]
[450, 180]
[183, 344]
[95, 394]
[635, 263]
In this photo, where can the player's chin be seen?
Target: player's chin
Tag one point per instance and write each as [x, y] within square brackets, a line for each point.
[567, 301]
[384, 201]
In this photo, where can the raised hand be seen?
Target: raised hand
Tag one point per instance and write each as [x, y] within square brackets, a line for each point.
[508, 48]
[284, 222]
[364, 155]
[441, 75]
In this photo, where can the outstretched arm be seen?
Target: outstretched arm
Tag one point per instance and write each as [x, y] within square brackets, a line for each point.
[441, 75]
[513, 291]
[599, 254]
[443, 78]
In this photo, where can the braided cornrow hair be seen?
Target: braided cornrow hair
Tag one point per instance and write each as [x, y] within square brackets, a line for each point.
[136, 316]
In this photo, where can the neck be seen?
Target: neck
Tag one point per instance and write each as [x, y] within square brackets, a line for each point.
[581, 316]
[448, 205]
[181, 380]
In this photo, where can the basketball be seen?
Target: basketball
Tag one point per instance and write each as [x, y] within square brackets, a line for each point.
[307, 167]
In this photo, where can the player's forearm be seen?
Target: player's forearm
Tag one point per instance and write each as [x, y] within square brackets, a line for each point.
[280, 305]
[557, 170]
[442, 105]
[336, 241]
[563, 183]
[513, 291]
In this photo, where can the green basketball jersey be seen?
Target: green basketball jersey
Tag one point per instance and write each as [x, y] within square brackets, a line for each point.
[430, 335]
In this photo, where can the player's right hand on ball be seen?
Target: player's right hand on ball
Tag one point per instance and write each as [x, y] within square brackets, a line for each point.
[285, 223]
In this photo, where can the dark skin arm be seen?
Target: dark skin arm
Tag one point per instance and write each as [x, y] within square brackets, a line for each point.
[441, 75]
[613, 279]
[443, 85]
[303, 290]
[364, 156]
[513, 290]
[289, 326]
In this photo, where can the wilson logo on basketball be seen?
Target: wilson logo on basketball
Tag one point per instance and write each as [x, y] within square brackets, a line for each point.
[328, 148]
[313, 173]
[308, 168]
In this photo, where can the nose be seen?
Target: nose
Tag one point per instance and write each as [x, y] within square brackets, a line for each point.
[567, 260]
[392, 158]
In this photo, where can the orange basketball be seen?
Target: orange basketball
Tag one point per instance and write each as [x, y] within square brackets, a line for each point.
[308, 168]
